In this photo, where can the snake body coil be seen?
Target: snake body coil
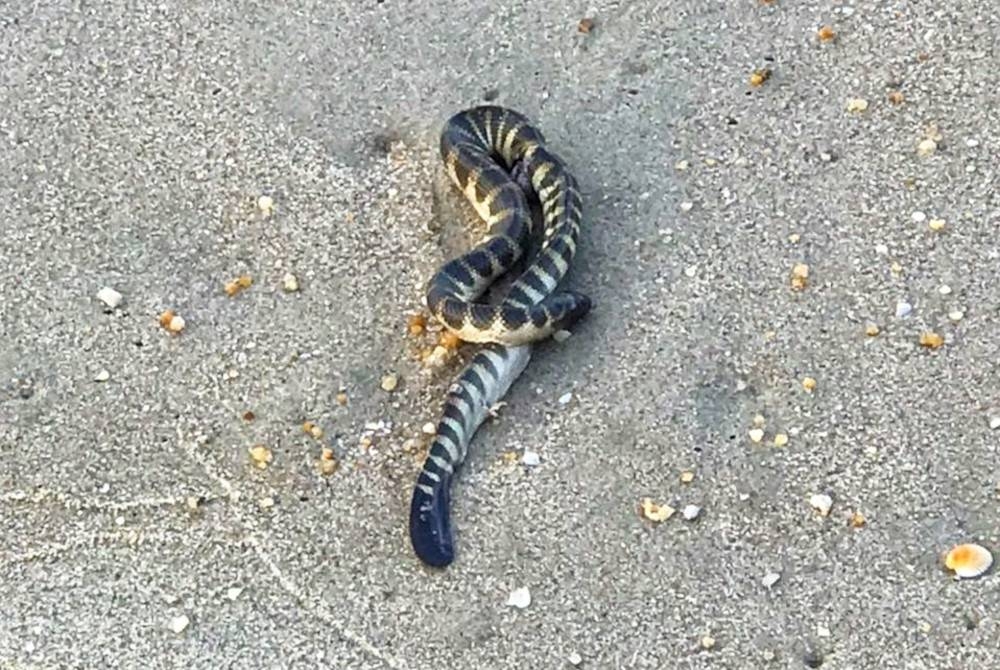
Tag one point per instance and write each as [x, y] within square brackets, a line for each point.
[494, 156]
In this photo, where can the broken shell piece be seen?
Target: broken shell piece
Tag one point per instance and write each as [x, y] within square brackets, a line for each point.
[561, 335]
[968, 560]
[809, 384]
[931, 340]
[519, 598]
[756, 434]
[770, 579]
[654, 512]
[822, 503]
[109, 297]
[531, 458]
[691, 512]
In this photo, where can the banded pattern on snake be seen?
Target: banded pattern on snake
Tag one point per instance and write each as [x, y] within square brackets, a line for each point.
[497, 159]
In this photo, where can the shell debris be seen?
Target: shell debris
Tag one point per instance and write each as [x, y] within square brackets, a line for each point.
[110, 297]
[172, 321]
[519, 598]
[808, 384]
[969, 560]
[260, 456]
[800, 276]
[691, 512]
[931, 340]
[655, 512]
[822, 503]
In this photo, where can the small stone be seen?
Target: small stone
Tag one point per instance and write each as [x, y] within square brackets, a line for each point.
[179, 624]
[808, 384]
[903, 309]
[758, 77]
[519, 598]
[931, 340]
[926, 147]
[102, 376]
[327, 463]
[565, 398]
[691, 271]
[341, 398]
[681, 165]
[654, 512]
[234, 592]
[944, 289]
[176, 324]
[794, 238]
[289, 283]
[871, 330]
[561, 335]
[881, 249]
[687, 206]
[994, 422]
[389, 383]
[428, 428]
[687, 477]
[261, 456]
[756, 434]
[918, 217]
[822, 631]
[822, 503]
[826, 34]
[896, 97]
[857, 105]
[109, 297]
[924, 627]
[780, 440]
[800, 276]
[956, 315]
[770, 579]
[858, 520]
[266, 503]
[312, 429]
[691, 512]
[531, 458]
[265, 204]
[707, 642]
[937, 225]
[574, 659]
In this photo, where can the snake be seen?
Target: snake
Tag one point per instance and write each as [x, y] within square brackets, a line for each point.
[498, 159]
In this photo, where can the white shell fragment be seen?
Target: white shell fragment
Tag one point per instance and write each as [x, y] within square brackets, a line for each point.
[519, 598]
[968, 560]
[903, 309]
[994, 422]
[102, 376]
[531, 458]
[565, 398]
[574, 659]
[178, 624]
[109, 297]
[822, 503]
[770, 579]
[691, 512]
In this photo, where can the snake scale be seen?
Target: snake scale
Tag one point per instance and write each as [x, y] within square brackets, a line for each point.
[497, 159]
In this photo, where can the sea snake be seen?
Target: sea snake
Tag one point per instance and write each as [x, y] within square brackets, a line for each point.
[497, 159]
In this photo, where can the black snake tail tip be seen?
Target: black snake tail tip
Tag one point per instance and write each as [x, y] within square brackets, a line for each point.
[430, 526]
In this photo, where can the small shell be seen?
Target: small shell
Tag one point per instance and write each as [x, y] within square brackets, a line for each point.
[655, 512]
[968, 560]
[822, 503]
[519, 598]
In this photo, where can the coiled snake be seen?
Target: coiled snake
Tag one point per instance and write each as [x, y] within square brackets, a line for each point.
[497, 159]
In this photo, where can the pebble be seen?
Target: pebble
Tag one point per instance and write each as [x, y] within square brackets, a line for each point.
[944, 289]
[707, 642]
[290, 283]
[822, 503]
[918, 217]
[770, 579]
[109, 297]
[881, 249]
[780, 440]
[234, 592]
[691, 512]
[756, 434]
[903, 309]
[691, 271]
[565, 398]
[994, 422]
[574, 659]
[389, 383]
[857, 105]
[265, 204]
[179, 623]
[102, 376]
[519, 598]
[531, 458]
[972, 143]
[561, 335]
[936, 224]
[926, 147]
[428, 428]
[687, 206]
